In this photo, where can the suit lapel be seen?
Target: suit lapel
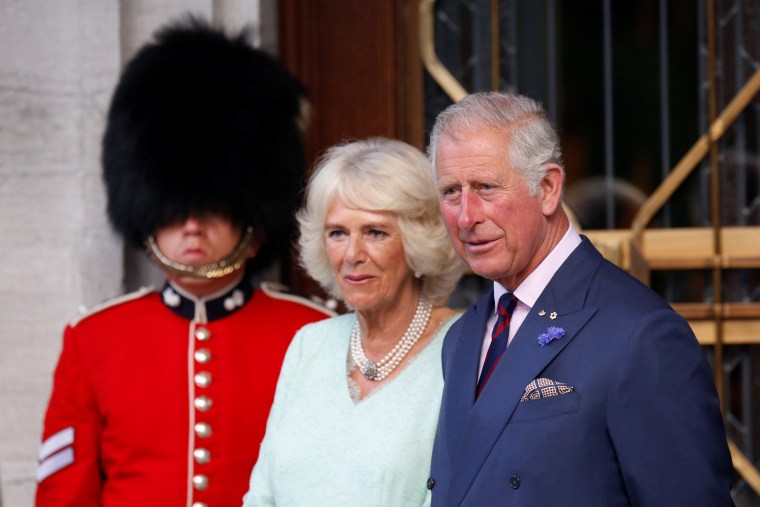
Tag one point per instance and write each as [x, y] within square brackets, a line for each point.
[463, 375]
[522, 362]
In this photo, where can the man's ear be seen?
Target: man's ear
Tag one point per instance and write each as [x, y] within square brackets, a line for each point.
[550, 189]
[258, 239]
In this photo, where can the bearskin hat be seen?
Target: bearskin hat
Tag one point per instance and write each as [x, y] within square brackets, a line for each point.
[200, 121]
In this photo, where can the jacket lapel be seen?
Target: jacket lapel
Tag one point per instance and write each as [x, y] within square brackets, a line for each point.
[522, 362]
[463, 375]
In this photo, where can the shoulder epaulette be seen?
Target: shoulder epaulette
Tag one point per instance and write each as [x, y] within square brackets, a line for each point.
[108, 303]
[279, 291]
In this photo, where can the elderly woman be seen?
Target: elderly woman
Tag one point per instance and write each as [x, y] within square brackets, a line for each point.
[358, 396]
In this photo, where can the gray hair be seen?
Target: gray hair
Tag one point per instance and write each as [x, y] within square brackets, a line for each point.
[380, 174]
[532, 140]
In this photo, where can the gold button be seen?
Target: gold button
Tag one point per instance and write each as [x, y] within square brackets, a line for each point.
[200, 482]
[202, 456]
[200, 504]
[202, 334]
[203, 379]
[203, 356]
[203, 430]
[202, 403]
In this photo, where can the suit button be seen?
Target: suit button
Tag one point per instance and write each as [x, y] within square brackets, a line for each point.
[514, 482]
[430, 483]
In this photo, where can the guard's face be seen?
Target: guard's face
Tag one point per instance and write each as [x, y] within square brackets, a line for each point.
[197, 241]
[367, 257]
[494, 224]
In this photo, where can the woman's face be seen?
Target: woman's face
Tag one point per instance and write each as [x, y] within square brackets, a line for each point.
[367, 257]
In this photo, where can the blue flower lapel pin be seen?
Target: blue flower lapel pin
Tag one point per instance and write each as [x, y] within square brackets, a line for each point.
[551, 334]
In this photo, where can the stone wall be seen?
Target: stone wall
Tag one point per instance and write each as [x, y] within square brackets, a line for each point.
[59, 62]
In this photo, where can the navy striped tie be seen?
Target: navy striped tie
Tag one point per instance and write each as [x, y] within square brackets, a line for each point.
[499, 337]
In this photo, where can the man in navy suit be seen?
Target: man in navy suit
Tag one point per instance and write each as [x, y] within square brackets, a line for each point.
[603, 396]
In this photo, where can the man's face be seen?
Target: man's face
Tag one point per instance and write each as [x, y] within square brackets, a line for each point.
[196, 241]
[492, 221]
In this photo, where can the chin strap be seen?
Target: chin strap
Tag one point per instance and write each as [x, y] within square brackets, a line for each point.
[218, 269]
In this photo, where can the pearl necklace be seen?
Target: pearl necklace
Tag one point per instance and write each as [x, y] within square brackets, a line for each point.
[377, 371]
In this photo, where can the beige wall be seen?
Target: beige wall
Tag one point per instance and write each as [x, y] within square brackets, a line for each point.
[59, 61]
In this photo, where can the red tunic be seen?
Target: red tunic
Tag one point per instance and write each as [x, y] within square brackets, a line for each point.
[152, 408]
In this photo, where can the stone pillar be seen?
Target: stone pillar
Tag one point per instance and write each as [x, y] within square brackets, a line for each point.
[60, 62]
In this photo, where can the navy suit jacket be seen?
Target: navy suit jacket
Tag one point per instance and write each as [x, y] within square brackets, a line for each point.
[642, 426]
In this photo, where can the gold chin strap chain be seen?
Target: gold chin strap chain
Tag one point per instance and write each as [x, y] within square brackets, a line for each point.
[223, 267]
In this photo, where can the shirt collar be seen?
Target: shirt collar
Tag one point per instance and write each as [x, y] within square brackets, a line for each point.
[532, 287]
[207, 308]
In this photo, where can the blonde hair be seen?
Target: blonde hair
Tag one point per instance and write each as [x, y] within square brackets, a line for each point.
[380, 174]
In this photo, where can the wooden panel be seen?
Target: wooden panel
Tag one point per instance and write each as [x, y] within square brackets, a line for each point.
[359, 61]
[704, 330]
[746, 331]
[735, 332]
[742, 247]
[346, 54]
[702, 311]
[695, 311]
[688, 248]
[679, 248]
[741, 310]
[409, 80]
[693, 248]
